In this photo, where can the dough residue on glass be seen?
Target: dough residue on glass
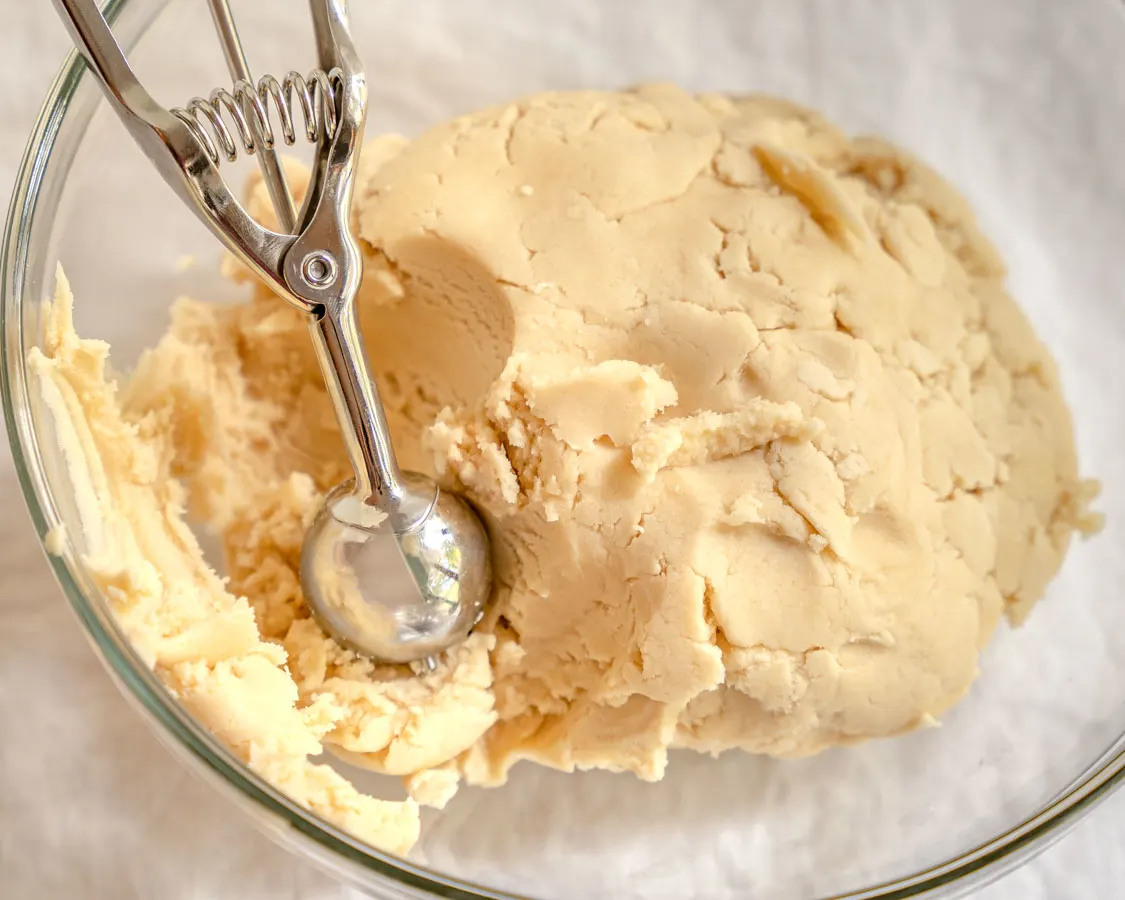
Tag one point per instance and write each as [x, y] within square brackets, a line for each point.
[765, 448]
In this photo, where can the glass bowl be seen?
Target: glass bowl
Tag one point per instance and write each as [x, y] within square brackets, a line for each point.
[1020, 104]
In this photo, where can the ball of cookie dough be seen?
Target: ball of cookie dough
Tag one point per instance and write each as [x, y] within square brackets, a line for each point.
[764, 446]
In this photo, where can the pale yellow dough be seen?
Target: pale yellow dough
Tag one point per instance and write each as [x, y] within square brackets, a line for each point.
[764, 447]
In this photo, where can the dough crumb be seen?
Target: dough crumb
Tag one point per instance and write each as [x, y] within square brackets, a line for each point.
[434, 787]
[56, 538]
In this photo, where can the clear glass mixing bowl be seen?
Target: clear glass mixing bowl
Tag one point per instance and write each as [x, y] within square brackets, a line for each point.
[1022, 104]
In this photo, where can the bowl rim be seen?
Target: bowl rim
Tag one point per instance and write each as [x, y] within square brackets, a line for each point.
[201, 751]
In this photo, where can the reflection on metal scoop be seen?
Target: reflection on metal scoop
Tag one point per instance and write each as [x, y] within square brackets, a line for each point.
[392, 567]
[398, 591]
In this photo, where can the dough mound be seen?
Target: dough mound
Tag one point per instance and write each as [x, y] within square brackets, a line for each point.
[764, 447]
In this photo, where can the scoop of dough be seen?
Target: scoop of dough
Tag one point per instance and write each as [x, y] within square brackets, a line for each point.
[764, 447]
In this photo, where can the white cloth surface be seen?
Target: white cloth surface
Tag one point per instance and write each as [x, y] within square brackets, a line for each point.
[92, 807]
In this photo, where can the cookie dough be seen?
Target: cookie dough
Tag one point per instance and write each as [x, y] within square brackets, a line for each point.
[765, 448]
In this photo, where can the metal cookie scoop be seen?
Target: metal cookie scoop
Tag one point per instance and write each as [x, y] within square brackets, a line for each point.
[393, 567]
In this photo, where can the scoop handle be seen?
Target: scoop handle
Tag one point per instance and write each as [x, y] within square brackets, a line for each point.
[174, 151]
[363, 423]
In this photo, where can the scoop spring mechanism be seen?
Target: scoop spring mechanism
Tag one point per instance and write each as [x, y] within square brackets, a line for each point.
[247, 107]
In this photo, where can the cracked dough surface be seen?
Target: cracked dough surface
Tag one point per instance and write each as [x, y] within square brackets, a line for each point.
[765, 448]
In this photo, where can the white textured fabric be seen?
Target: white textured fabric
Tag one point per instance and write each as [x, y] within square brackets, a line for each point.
[90, 805]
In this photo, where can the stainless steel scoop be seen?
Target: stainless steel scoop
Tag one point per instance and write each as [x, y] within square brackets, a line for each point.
[392, 566]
